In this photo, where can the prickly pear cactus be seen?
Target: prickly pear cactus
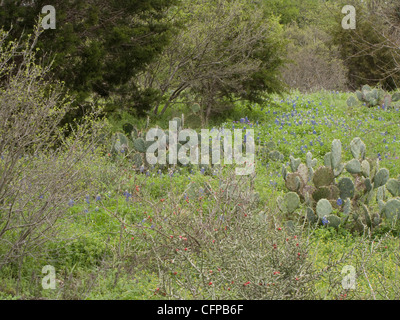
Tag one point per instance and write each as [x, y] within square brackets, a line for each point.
[344, 194]
[324, 208]
[289, 203]
[372, 97]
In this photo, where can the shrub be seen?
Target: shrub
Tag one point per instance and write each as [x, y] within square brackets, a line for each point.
[41, 169]
[314, 65]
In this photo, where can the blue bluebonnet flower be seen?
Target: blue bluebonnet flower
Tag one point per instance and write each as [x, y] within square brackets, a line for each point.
[325, 221]
[98, 198]
[339, 202]
[71, 203]
[87, 200]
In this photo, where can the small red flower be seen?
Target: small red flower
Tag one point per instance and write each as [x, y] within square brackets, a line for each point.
[210, 283]
[175, 273]
[279, 229]
[162, 200]
[186, 249]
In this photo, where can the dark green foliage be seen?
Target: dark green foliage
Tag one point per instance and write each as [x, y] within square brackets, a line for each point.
[99, 46]
[367, 60]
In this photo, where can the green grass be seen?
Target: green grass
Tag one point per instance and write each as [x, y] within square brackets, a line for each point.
[97, 253]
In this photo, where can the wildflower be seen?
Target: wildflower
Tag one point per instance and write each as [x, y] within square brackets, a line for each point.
[71, 203]
[339, 202]
[325, 221]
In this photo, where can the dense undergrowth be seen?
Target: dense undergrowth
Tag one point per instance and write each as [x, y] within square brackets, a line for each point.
[192, 234]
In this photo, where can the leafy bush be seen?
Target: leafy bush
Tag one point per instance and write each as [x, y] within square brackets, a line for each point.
[41, 169]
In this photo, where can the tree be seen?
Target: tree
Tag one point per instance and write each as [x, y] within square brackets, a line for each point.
[369, 51]
[99, 46]
[227, 50]
[302, 12]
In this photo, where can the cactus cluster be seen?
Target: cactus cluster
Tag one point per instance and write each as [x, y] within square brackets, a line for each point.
[268, 152]
[342, 193]
[373, 97]
[133, 145]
